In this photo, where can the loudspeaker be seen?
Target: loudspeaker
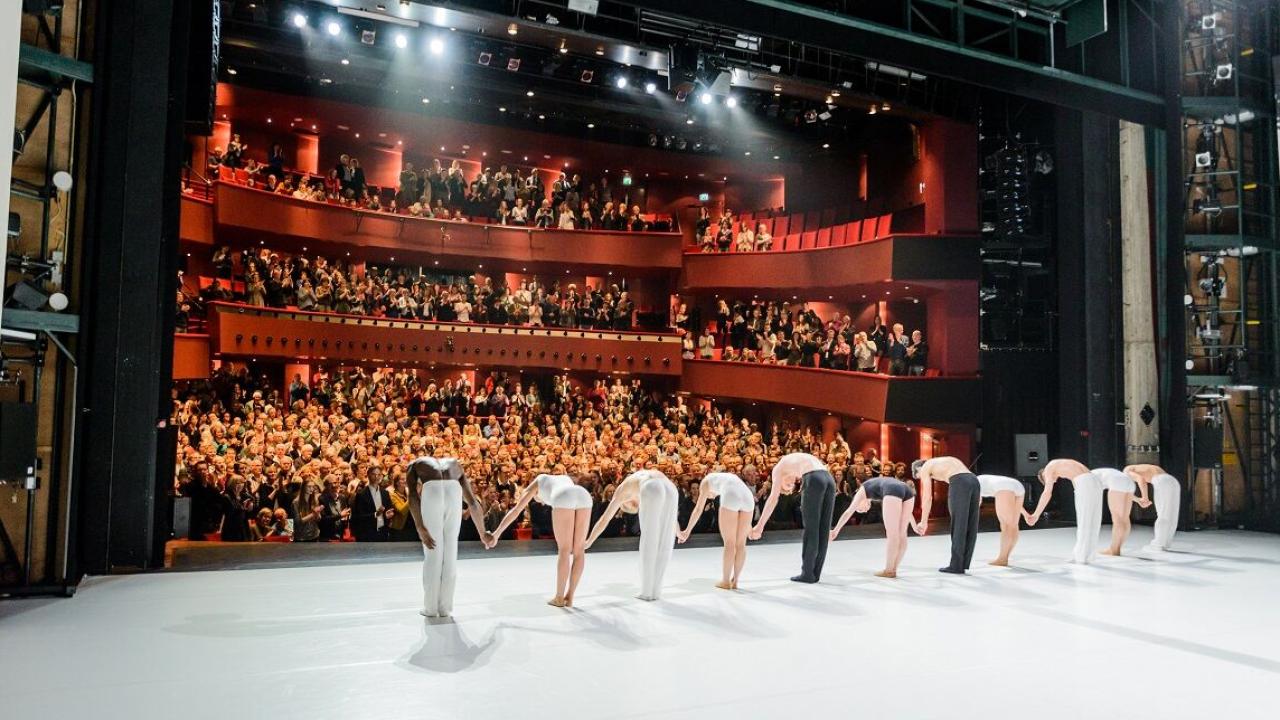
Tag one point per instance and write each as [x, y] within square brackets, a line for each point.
[1206, 447]
[18, 449]
[204, 43]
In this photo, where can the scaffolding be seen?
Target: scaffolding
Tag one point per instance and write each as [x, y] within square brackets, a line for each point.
[1230, 221]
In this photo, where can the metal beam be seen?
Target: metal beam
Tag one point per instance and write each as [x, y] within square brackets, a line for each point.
[32, 61]
[16, 319]
[929, 56]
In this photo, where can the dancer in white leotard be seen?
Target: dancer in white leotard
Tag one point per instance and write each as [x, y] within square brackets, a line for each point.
[737, 506]
[1120, 489]
[437, 488]
[653, 496]
[570, 516]
[1008, 493]
[1167, 496]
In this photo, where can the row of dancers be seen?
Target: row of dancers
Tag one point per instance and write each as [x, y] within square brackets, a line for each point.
[438, 488]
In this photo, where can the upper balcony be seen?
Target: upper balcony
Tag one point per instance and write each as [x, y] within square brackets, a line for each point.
[242, 215]
[894, 258]
[881, 398]
[237, 331]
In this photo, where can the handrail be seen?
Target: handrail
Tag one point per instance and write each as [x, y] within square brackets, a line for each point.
[836, 373]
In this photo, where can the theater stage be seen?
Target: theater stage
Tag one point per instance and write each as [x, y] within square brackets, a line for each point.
[1188, 634]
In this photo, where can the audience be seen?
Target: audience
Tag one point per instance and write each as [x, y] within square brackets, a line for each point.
[260, 463]
[317, 284]
[783, 333]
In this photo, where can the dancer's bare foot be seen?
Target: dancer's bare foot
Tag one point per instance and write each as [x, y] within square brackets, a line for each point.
[735, 584]
[724, 585]
[999, 563]
[568, 601]
[1108, 551]
[557, 602]
[887, 574]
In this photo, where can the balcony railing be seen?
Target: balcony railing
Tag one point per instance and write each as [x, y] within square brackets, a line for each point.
[237, 330]
[242, 215]
[882, 398]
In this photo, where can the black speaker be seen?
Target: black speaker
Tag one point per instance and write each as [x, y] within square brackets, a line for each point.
[1206, 448]
[18, 448]
[204, 48]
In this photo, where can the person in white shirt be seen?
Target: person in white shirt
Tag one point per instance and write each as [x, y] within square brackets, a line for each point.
[707, 345]
[462, 309]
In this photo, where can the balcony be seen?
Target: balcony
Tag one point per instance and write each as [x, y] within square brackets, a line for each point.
[238, 331]
[242, 215]
[925, 259]
[881, 398]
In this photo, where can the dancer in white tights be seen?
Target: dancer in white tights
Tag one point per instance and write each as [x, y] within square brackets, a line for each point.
[1088, 497]
[1167, 495]
[651, 494]
[570, 516]
[1008, 493]
[437, 489]
[737, 505]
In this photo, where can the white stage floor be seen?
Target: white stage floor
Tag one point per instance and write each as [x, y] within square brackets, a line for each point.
[1190, 634]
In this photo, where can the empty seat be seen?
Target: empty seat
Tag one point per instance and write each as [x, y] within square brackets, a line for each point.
[809, 239]
[824, 237]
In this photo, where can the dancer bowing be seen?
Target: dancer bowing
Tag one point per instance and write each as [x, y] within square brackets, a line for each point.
[1088, 499]
[1008, 493]
[437, 489]
[898, 501]
[964, 497]
[817, 502]
[570, 517]
[737, 504]
[1120, 489]
[1166, 493]
[654, 497]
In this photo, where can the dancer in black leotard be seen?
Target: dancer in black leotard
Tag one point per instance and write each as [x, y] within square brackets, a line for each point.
[899, 501]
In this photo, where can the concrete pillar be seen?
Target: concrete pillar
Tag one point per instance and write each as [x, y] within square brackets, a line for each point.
[1141, 387]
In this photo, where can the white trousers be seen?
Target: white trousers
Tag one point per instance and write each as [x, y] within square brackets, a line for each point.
[1088, 495]
[658, 499]
[1166, 494]
[442, 514]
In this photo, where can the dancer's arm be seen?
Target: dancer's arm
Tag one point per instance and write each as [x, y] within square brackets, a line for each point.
[926, 500]
[1143, 499]
[530, 490]
[620, 495]
[415, 501]
[683, 535]
[848, 513]
[476, 508]
[774, 490]
[1045, 496]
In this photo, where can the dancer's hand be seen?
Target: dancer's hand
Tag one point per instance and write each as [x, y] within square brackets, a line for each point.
[1030, 518]
[682, 537]
[835, 532]
[427, 540]
[587, 545]
[756, 532]
[922, 526]
[487, 539]
[492, 542]
[1143, 502]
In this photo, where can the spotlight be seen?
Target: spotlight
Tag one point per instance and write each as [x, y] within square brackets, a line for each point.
[513, 29]
[426, 101]
[334, 28]
[231, 71]
[688, 121]
[1223, 72]
[650, 88]
[513, 65]
[436, 46]
[705, 98]
[345, 61]
[401, 41]
[299, 20]
[368, 37]
[485, 58]
[587, 75]
[731, 101]
[591, 126]
[529, 93]
[621, 82]
[826, 145]
[564, 48]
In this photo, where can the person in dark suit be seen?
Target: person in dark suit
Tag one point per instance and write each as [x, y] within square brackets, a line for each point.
[371, 511]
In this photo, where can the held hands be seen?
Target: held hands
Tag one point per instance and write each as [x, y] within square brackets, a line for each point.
[1031, 518]
[756, 532]
[682, 537]
[488, 540]
[922, 527]
[1143, 502]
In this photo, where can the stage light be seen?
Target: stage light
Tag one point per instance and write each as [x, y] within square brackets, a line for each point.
[513, 29]
[564, 49]
[731, 102]
[872, 111]
[650, 88]
[777, 157]
[529, 94]
[688, 121]
[502, 109]
[586, 76]
[513, 65]
[705, 98]
[621, 82]
[436, 46]
[826, 145]
[345, 61]
[299, 20]
[401, 41]
[334, 28]
[748, 152]
[426, 101]
[542, 117]
[484, 58]
[591, 126]
[231, 71]
[835, 93]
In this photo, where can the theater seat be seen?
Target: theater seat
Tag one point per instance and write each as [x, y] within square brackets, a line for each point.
[809, 240]
[278, 538]
[932, 372]
[824, 238]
